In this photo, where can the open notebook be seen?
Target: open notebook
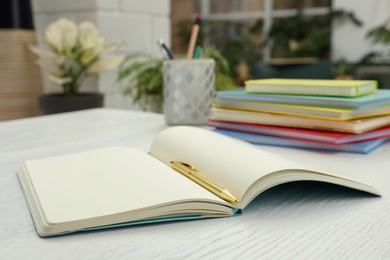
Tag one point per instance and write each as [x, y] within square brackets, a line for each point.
[117, 186]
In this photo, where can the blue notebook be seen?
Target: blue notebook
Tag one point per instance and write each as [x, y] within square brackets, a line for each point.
[359, 147]
[380, 98]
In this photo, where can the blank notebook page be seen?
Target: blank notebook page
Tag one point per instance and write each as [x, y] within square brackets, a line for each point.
[106, 181]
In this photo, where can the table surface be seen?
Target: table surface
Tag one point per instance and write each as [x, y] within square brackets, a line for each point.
[291, 221]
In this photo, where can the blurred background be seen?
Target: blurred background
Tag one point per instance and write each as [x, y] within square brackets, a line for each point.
[321, 39]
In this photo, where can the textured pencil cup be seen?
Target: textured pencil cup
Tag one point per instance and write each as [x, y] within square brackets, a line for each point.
[188, 91]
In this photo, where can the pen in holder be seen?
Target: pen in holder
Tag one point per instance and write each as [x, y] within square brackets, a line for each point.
[189, 86]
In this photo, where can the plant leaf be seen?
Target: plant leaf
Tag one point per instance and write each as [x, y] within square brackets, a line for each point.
[52, 70]
[60, 81]
[89, 55]
[43, 53]
[104, 65]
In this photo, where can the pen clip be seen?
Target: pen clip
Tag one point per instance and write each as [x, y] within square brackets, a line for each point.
[184, 166]
[192, 173]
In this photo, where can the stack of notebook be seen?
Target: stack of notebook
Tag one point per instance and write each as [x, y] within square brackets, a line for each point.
[336, 115]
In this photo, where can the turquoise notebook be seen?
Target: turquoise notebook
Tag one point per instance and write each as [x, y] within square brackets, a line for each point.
[380, 98]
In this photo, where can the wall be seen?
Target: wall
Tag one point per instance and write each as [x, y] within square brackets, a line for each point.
[138, 23]
[348, 40]
[182, 10]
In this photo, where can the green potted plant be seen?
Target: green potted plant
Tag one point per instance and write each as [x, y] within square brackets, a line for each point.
[144, 83]
[302, 36]
[74, 54]
[142, 73]
[343, 70]
[380, 34]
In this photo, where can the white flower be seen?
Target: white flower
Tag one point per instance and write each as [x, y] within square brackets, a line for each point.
[75, 53]
[62, 34]
[104, 65]
[89, 36]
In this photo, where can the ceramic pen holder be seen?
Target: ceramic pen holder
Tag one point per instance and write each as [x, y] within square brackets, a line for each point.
[189, 87]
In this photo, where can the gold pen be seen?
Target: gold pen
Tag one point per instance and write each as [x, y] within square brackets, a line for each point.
[192, 173]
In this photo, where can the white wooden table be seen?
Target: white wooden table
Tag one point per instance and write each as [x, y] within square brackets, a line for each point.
[293, 221]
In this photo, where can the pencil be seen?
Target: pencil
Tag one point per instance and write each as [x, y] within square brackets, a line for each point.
[194, 36]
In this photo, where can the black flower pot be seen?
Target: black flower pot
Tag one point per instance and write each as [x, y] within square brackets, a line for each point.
[59, 103]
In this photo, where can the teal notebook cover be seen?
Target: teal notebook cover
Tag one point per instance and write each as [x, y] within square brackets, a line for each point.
[380, 98]
[236, 212]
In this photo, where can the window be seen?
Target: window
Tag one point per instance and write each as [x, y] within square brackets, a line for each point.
[239, 28]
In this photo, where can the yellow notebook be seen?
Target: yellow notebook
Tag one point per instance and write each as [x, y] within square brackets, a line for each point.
[304, 111]
[318, 87]
[356, 126]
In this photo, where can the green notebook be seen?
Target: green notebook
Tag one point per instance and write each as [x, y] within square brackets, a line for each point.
[379, 98]
[315, 87]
